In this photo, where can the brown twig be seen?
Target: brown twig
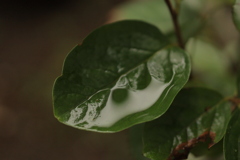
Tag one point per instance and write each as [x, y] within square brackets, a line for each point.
[235, 102]
[174, 16]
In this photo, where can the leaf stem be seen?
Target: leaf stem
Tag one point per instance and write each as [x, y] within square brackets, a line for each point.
[235, 102]
[174, 16]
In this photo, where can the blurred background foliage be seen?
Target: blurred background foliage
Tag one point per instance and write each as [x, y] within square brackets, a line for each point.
[35, 37]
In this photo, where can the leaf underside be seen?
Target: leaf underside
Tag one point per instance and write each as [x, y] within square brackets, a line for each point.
[120, 76]
[194, 116]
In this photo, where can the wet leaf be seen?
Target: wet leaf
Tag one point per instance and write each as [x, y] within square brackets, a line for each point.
[232, 138]
[236, 14]
[120, 76]
[195, 116]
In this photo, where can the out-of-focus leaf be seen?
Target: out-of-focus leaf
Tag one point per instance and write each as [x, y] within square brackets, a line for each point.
[135, 140]
[232, 138]
[238, 85]
[209, 64]
[156, 12]
[120, 76]
[236, 14]
[195, 116]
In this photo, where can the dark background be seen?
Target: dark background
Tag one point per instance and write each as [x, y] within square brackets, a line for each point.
[35, 37]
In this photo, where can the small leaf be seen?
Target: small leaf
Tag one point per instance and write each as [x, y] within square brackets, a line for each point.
[120, 76]
[232, 138]
[194, 116]
[236, 14]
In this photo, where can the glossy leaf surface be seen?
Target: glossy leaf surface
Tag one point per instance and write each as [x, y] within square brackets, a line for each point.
[232, 138]
[236, 14]
[121, 75]
[194, 116]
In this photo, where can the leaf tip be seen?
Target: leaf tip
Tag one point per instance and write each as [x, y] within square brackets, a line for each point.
[212, 136]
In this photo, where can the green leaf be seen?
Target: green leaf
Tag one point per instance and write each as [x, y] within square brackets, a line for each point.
[232, 138]
[194, 116]
[135, 141]
[156, 12]
[209, 64]
[236, 14]
[120, 76]
[238, 85]
[202, 150]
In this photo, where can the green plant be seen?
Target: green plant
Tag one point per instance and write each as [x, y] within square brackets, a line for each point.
[129, 72]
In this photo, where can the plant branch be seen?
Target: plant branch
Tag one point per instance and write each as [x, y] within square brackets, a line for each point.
[174, 16]
[235, 102]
